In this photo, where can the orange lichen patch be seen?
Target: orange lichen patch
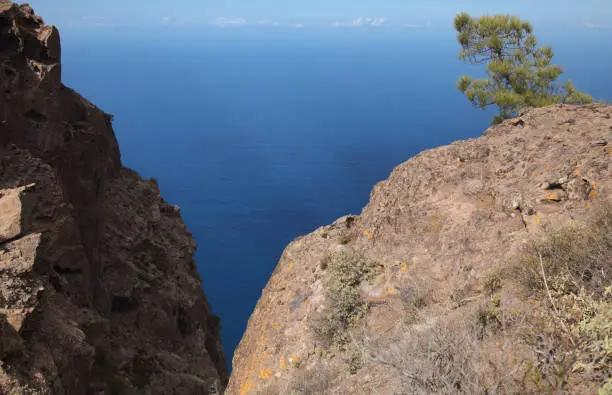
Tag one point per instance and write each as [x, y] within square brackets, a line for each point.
[258, 356]
[293, 360]
[538, 219]
[577, 172]
[368, 234]
[404, 267]
[265, 374]
[547, 165]
[275, 324]
[283, 364]
[246, 387]
[15, 318]
[391, 290]
[556, 196]
[593, 192]
[533, 174]
[460, 163]
[291, 266]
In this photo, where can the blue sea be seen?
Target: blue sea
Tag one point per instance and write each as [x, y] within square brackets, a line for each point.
[262, 135]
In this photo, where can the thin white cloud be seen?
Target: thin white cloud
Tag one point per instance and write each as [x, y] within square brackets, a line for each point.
[375, 21]
[234, 22]
[166, 20]
[266, 22]
[594, 26]
[362, 22]
[223, 21]
[417, 25]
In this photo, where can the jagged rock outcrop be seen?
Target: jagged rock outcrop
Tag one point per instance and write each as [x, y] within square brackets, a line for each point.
[99, 291]
[421, 254]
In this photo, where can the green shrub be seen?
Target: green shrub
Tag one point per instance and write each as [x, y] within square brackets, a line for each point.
[344, 306]
[353, 358]
[489, 315]
[493, 283]
[606, 389]
[577, 256]
[570, 269]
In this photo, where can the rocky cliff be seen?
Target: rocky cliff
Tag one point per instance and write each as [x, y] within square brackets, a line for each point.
[479, 267]
[99, 291]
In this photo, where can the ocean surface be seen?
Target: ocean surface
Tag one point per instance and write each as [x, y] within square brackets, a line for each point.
[262, 135]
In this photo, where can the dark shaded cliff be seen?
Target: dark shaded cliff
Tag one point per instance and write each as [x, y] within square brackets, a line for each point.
[99, 291]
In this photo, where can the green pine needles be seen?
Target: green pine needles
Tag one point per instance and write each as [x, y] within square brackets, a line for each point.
[520, 74]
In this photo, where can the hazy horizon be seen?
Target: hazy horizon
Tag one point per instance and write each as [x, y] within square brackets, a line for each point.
[591, 14]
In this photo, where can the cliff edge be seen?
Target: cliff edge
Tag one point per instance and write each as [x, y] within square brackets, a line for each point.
[480, 267]
[99, 291]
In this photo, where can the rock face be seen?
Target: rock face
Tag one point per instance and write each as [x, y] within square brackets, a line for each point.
[99, 291]
[431, 236]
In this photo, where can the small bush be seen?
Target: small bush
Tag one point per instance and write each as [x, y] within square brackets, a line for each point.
[570, 269]
[493, 283]
[442, 359]
[577, 256]
[414, 298]
[489, 315]
[344, 306]
[353, 358]
[606, 389]
[547, 372]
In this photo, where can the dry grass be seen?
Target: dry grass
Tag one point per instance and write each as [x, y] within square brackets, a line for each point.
[315, 381]
[560, 342]
[576, 256]
[441, 359]
[570, 272]
[414, 297]
[549, 330]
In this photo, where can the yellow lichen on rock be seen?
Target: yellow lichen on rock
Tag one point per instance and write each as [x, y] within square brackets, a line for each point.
[265, 373]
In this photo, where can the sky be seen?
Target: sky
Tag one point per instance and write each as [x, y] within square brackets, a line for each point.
[594, 14]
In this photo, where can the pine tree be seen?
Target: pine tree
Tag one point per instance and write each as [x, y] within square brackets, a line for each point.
[520, 74]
